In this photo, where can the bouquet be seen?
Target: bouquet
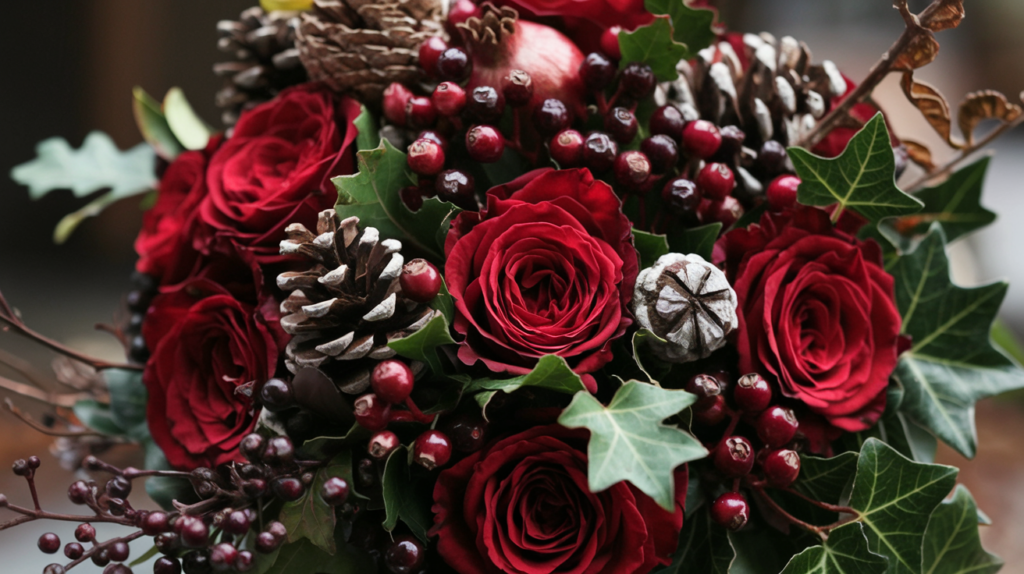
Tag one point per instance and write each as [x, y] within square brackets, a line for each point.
[530, 287]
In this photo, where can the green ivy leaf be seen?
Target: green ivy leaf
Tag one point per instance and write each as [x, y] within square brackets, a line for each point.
[690, 26]
[825, 479]
[703, 547]
[699, 240]
[628, 440]
[649, 246]
[422, 345]
[402, 498]
[152, 123]
[649, 363]
[862, 178]
[369, 136]
[310, 517]
[952, 363]
[97, 416]
[653, 45]
[188, 128]
[128, 401]
[845, 552]
[164, 490]
[305, 557]
[955, 204]
[551, 373]
[894, 497]
[952, 544]
[373, 196]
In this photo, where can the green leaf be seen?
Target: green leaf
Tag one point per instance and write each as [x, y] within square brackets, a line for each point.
[444, 302]
[952, 544]
[402, 498]
[628, 440]
[67, 224]
[551, 372]
[422, 345]
[97, 165]
[894, 497]
[703, 547]
[699, 240]
[151, 553]
[164, 490]
[653, 367]
[128, 401]
[649, 246]
[861, 179]
[690, 26]
[188, 128]
[653, 45]
[373, 196]
[369, 136]
[310, 517]
[955, 204]
[306, 558]
[825, 479]
[952, 363]
[152, 123]
[97, 416]
[845, 552]
[1005, 339]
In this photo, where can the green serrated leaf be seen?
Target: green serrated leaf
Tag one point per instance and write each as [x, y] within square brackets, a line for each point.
[401, 496]
[152, 124]
[894, 497]
[444, 302]
[825, 479]
[690, 26]
[845, 552]
[703, 547]
[97, 165]
[952, 363]
[628, 440]
[305, 557]
[310, 517]
[551, 373]
[952, 544]
[128, 401]
[369, 136]
[188, 128]
[861, 179]
[373, 196]
[699, 240]
[653, 45]
[422, 345]
[649, 246]
[955, 204]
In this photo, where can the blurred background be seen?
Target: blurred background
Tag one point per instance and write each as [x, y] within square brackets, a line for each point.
[70, 67]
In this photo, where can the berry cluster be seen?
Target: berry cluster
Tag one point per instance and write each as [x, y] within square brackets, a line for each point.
[144, 288]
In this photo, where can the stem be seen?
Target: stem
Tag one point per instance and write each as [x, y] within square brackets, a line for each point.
[963, 154]
[824, 505]
[96, 548]
[28, 515]
[819, 530]
[66, 400]
[733, 421]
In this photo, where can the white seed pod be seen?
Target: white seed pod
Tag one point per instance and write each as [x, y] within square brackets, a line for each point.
[689, 303]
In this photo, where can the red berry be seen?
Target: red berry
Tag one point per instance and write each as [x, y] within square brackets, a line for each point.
[734, 456]
[662, 151]
[79, 492]
[119, 551]
[567, 148]
[461, 11]
[237, 522]
[621, 124]
[449, 99]
[166, 565]
[382, 444]
[267, 543]
[335, 491]
[632, 168]
[638, 81]
[599, 152]
[420, 112]
[252, 447]
[85, 532]
[279, 451]
[73, 550]
[517, 87]
[782, 192]
[396, 99]
[288, 489]
[430, 51]
[404, 556]
[610, 43]
[371, 412]
[392, 381]
[781, 467]
[244, 561]
[155, 522]
[752, 393]
[772, 158]
[420, 281]
[711, 412]
[551, 117]
[716, 181]
[727, 212]
[49, 543]
[776, 426]
[54, 569]
[730, 511]
[193, 531]
[701, 139]
[432, 449]
[222, 556]
[668, 121]
[682, 197]
[485, 144]
[454, 64]
[485, 104]
[597, 72]
[425, 157]
[411, 197]
[706, 388]
[732, 144]
[457, 187]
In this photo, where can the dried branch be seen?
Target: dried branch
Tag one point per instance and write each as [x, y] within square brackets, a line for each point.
[64, 400]
[27, 419]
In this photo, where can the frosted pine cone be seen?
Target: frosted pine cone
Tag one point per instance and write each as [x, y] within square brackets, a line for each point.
[687, 302]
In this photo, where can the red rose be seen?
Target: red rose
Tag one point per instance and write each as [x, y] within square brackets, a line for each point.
[522, 505]
[547, 269]
[816, 311]
[630, 14]
[205, 344]
[276, 169]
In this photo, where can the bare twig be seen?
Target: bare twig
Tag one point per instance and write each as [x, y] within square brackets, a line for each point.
[65, 400]
[25, 418]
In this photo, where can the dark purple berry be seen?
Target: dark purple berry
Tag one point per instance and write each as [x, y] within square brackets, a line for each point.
[279, 451]
[54, 569]
[599, 152]
[154, 523]
[166, 565]
[457, 187]
[662, 151]
[266, 543]
[167, 543]
[597, 72]
[730, 511]
[335, 491]
[551, 117]
[79, 492]
[49, 543]
[668, 121]
[681, 197]
[197, 562]
[732, 144]
[20, 467]
[711, 412]
[194, 532]
[567, 148]
[621, 124]
[101, 558]
[638, 81]
[245, 561]
[454, 65]
[466, 431]
[411, 197]
[276, 395]
[632, 168]
[73, 550]
[238, 522]
[119, 551]
[771, 160]
[85, 532]
[222, 556]
[485, 104]
[288, 489]
[404, 556]
[252, 447]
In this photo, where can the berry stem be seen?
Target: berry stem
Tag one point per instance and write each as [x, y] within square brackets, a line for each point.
[821, 531]
[31, 480]
[824, 505]
[28, 515]
[416, 412]
[734, 419]
[98, 547]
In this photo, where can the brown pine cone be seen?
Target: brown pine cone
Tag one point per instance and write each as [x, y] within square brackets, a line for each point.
[358, 47]
[344, 310]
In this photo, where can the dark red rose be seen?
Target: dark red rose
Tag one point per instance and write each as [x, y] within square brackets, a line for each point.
[522, 505]
[817, 313]
[205, 344]
[276, 169]
[547, 269]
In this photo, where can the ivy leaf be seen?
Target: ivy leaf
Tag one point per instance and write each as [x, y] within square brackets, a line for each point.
[304, 556]
[699, 240]
[629, 442]
[128, 401]
[862, 178]
[894, 497]
[551, 372]
[845, 552]
[310, 517]
[97, 416]
[401, 496]
[690, 26]
[373, 196]
[369, 136]
[952, 363]
[703, 547]
[952, 544]
[652, 367]
[422, 345]
[653, 45]
[164, 490]
[649, 246]
[955, 204]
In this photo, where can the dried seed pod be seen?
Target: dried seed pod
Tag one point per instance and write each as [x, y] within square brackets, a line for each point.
[687, 302]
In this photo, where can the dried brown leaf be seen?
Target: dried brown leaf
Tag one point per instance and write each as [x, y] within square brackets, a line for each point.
[984, 105]
[920, 51]
[932, 106]
[943, 15]
[919, 154]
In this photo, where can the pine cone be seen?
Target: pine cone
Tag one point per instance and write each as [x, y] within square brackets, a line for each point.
[358, 47]
[264, 59]
[344, 310]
